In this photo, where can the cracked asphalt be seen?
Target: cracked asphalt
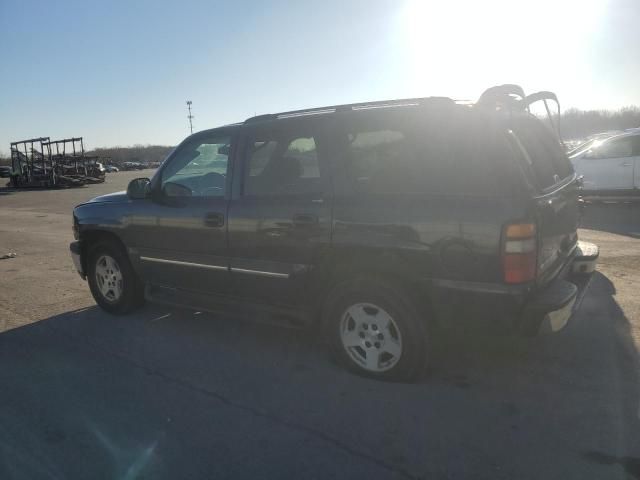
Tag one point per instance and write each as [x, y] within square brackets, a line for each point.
[168, 393]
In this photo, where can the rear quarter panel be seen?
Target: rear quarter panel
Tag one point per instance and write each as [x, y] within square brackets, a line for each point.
[424, 236]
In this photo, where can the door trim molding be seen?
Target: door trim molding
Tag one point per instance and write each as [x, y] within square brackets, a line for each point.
[184, 264]
[259, 273]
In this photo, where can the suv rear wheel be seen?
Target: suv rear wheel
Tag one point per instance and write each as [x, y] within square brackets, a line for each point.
[375, 330]
[112, 280]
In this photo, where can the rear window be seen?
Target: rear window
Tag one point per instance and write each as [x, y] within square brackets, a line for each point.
[459, 155]
[544, 156]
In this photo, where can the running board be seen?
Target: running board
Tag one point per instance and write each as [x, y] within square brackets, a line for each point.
[173, 297]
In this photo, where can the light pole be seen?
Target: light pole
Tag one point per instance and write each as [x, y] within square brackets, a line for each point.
[190, 117]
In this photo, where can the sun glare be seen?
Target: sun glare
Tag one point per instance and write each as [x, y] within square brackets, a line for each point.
[450, 45]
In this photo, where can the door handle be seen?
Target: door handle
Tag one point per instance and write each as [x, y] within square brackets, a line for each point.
[305, 219]
[626, 164]
[214, 219]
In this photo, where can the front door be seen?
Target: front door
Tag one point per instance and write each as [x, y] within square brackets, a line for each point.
[609, 166]
[180, 234]
[280, 214]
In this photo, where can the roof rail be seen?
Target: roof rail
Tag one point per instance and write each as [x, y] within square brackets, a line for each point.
[442, 101]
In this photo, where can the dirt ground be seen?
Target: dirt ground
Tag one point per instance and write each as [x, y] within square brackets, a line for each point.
[167, 393]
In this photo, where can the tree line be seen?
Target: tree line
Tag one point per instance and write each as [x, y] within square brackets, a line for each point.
[575, 124]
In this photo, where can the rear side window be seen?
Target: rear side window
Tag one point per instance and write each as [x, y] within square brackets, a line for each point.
[544, 155]
[391, 154]
[282, 161]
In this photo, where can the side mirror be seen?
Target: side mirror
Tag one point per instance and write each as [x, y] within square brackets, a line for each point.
[139, 188]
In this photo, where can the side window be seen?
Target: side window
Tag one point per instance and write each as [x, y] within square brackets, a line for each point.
[374, 159]
[615, 148]
[404, 155]
[282, 162]
[198, 169]
[636, 145]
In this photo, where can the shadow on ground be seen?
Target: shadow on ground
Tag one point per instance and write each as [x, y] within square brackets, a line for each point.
[175, 394]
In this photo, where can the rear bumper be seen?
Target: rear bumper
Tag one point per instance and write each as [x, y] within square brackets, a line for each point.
[550, 309]
[76, 256]
[527, 308]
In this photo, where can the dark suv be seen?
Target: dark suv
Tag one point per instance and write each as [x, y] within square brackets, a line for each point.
[372, 221]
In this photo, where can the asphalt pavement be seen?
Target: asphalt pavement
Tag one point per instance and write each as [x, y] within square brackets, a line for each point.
[178, 394]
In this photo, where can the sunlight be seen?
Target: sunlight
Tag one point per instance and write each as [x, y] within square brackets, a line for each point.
[450, 45]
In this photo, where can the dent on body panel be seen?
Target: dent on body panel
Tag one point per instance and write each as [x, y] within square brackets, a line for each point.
[462, 233]
[374, 221]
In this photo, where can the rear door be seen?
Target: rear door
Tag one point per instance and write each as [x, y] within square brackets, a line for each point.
[279, 222]
[555, 203]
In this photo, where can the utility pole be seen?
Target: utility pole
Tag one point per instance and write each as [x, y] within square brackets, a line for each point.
[190, 117]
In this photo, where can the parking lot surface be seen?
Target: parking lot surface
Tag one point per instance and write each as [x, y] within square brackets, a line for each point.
[168, 393]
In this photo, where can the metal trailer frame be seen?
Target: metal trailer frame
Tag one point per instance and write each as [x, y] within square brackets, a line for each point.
[68, 160]
[30, 166]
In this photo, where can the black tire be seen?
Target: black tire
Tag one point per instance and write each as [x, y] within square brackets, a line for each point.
[132, 290]
[377, 297]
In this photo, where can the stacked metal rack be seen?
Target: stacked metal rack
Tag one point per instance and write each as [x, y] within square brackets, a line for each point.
[42, 162]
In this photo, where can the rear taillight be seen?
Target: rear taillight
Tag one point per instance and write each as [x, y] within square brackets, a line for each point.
[519, 253]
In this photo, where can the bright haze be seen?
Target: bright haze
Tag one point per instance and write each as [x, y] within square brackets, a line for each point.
[119, 72]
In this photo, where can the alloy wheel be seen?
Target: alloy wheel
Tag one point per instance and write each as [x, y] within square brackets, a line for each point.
[371, 337]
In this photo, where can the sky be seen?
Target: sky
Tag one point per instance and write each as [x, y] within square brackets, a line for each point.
[119, 72]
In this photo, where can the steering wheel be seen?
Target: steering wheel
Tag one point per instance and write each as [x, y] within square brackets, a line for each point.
[173, 189]
[211, 184]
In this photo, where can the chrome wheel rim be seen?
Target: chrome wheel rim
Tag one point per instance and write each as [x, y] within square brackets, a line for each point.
[109, 278]
[371, 337]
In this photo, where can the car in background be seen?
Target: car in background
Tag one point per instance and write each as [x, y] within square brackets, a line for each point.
[111, 169]
[5, 171]
[133, 166]
[609, 166]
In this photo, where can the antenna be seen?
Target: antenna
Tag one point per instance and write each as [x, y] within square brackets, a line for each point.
[190, 117]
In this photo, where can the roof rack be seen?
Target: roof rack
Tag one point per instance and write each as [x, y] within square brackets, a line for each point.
[510, 97]
[350, 107]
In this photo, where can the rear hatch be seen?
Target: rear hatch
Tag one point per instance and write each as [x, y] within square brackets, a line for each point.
[555, 201]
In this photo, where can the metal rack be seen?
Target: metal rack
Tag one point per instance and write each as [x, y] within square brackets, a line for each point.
[30, 166]
[42, 162]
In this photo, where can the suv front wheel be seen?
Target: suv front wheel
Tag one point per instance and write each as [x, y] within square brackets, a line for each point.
[375, 330]
[112, 280]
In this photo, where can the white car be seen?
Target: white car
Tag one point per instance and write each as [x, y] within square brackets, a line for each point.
[609, 165]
